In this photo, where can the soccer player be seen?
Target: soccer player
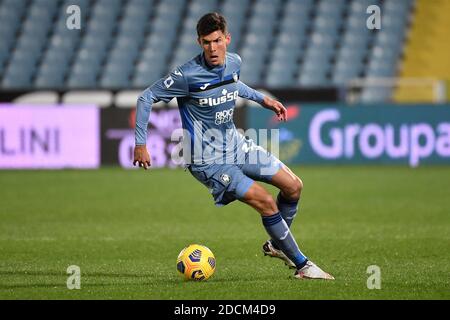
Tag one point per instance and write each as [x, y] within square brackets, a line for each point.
[226, 162]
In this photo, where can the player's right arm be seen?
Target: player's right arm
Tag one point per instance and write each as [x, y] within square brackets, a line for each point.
[165, 89]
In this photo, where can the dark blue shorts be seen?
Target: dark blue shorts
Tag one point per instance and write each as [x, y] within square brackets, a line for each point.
[228, 182]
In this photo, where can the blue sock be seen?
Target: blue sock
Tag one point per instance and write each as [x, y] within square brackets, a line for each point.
[279, 231]
[288, 210]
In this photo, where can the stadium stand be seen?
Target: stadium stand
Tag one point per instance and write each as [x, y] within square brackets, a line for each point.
[132, 43]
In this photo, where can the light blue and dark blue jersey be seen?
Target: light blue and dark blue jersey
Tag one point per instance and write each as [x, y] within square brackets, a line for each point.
[206, 99]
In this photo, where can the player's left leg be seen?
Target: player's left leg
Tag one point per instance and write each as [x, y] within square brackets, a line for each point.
[265, 167]
[262, 166]
[290, 190]
[290, 187]
[262, 201]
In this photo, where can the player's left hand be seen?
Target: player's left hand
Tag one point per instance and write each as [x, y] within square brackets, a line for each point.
[277, 107]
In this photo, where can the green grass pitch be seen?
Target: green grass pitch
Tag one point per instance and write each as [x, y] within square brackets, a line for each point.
[124, 229]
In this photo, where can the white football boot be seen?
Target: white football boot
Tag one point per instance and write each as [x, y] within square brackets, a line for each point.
[270, 251]
[311, 271]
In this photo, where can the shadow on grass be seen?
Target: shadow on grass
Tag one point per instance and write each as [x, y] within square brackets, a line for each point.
[155, 278]
[83, 274]
[97, 279]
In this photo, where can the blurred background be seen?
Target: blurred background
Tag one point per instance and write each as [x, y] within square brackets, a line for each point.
[299, 51]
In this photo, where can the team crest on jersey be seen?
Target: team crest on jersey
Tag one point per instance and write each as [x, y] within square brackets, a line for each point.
[225, 178]
[235, 77]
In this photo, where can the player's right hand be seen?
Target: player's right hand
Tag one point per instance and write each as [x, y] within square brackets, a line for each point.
[141, 157]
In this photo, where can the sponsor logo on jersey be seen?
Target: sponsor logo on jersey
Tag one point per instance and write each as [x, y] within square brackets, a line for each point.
[225, 97]
[224, 116]
[206, 85]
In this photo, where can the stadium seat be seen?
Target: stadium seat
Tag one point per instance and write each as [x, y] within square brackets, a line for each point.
[280, 74]
[18, 76]
[49, 81]
[312, 78]
[82, 80]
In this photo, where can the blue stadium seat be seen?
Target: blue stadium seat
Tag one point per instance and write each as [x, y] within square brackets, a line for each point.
[299, 9]
[28, 43]
[9, 21]
[398, 8]
[101, 28]
[288, 41]
[267, 9]
[280, 79]
[234, 10]
[63, 43]
[380, 68]
[85, 80]
[26, 59]
[18, 6]
[170, 10]
[198, 8]
[257, 41]
[286, 57]
[86, 67]
[312, 78]
[328, 27]
[153, 56]
[345, 70]
[318, 55]
[8, 39]
[4, 54]
[18, 76]
[281, 73]
[260, 25]
[57, 57]
[164, 27]
[141, 4]
[147, 73]
[384, 53]
[252, 57]
[356, 41]
[36, 29]
[347, 53]
[141, 80]
[50, 77]
[115, 80]
[52, 68]
[250, 76]
[322, 41]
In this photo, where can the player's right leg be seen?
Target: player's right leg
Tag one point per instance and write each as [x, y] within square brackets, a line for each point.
[261, 200]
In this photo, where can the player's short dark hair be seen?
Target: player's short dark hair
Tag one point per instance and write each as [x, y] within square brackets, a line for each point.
[211, 22]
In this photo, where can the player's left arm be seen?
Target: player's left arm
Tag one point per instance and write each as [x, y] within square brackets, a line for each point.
[267, 102]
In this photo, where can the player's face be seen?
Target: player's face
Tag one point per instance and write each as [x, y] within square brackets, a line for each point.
[214, 46]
